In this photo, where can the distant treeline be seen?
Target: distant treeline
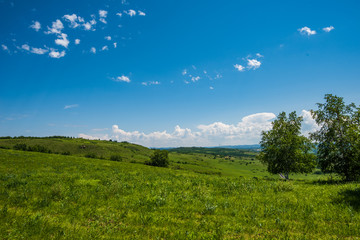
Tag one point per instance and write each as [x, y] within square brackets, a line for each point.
[223, 152]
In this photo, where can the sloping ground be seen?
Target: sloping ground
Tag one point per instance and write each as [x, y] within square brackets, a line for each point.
[83, 147]
[49, 196]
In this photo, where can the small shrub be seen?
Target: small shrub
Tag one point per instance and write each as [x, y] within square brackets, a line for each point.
[38, 148]
[160, 158]
[90, 155]
[116, 158]
[65, 153]
[20, 146]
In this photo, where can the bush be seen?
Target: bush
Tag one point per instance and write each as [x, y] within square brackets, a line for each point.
[90, 155]
[65, 153]
[160, 158]
[116, 158]
[20, 146]
[38, 148]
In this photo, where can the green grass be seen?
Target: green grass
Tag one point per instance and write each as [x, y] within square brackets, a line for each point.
[49, 196]
[209, 161]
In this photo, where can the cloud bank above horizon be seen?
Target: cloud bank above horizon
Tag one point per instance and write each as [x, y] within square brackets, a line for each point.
[245, 132]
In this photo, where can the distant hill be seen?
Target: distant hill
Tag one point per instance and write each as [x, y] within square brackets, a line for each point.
[101, 149]
[254, 146]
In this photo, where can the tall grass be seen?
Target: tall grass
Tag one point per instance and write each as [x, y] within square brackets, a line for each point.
[46, 196]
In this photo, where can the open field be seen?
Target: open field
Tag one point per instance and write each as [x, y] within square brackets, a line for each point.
[50, 196]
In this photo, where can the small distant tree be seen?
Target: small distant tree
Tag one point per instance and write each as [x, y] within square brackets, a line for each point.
[338, 139]
[284, 150]
[159, 158]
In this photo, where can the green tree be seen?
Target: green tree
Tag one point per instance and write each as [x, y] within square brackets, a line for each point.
[338, 139]
[159, 158]
[284, 150]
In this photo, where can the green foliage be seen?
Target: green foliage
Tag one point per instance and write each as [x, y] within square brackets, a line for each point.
[159, 158]
[284, 150]
[47, 196]
[116, 158]
[215, 151]
[90, 155]
[20, 146]
[338, 139]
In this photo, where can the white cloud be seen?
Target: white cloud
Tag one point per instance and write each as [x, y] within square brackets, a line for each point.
[130, 12]
[87, 26]
[195, 79]
[108, 38]
[25, 47]
[119, 14]
[105, 48]
[77, 41]
[74, 20]
[36, 26]
[90, 25]
[308, 125]
[56, 54]
[56, 27]
[103, 13]
[4, 47]
[150, 83]
[39, 51]
[141, 13]
[328, 29]
[115, 45]
[71, 106]
[306, 31]
[62, 40]
[247, 131]
[184, 72]
[253, 64]
[93, 50]
[239, 67]
[211, 88]
[122, 79]
[259, 55]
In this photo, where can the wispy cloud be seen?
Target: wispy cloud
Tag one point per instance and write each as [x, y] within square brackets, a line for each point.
[130, 12]
[122, 78]
[62, 40]
[5, 48]
[56, 54]
[239, 67]
[103, 15]
[36, 26]
[306, 31]
[39, 51]
[150, 83]
[141, 13]
[56, 27]
[77, 41]
[104, 48]
[93, 50]
[328, 29]
[75, 21]
[253, 64]
[108, 38]
[71, 106]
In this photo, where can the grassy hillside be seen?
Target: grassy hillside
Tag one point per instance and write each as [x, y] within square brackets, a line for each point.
[49, 196]
[209, 161]
[82, 147]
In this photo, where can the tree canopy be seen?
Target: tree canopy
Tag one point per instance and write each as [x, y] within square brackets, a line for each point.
[338, 139]
[284, 150]
[159, 158]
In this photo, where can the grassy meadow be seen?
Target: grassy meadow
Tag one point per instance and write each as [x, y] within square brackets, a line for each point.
[56, 196]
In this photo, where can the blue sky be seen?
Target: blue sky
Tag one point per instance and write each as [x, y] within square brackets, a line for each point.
[172, 73]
